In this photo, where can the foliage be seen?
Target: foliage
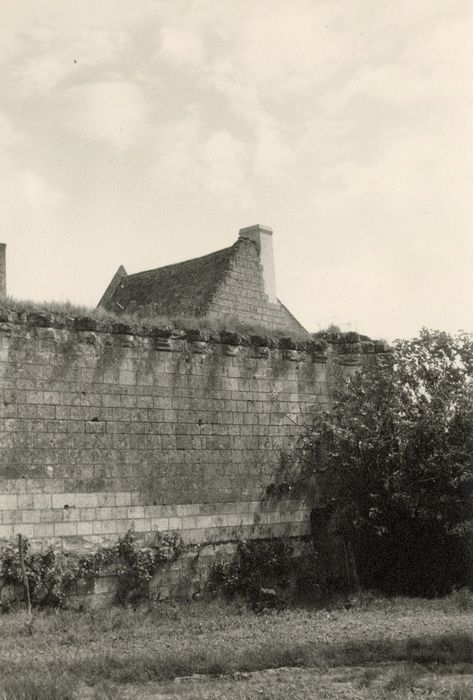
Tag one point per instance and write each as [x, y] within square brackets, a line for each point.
[399, 448]
[53, 575]
[137, 566]
[257, 564]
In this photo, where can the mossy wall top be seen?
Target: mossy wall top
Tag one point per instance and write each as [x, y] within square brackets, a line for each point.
[105, 425]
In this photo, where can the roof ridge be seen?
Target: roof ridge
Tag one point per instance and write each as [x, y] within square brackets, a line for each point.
[182, 262]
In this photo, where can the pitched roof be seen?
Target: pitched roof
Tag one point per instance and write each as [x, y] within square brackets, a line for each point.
[185, 288]
[229, 283]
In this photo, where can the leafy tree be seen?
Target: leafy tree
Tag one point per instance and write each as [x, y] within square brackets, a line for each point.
[398, 449]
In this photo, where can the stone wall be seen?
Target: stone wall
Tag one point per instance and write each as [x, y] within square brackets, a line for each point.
[3, 270]
[107, 426]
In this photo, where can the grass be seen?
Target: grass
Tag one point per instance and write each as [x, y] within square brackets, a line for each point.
[227, 323]
[107, 651]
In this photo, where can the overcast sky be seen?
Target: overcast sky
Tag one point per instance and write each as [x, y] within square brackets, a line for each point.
[146, 132]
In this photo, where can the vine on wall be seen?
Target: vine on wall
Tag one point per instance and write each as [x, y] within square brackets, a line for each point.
[53, 576]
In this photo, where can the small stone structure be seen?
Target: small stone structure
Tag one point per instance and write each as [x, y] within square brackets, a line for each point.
[236, 283]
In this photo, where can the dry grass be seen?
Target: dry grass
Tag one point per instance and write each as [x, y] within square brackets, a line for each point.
[110, 650]
[228, 323]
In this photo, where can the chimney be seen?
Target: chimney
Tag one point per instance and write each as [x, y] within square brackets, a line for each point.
[263, 237]
[3, 270]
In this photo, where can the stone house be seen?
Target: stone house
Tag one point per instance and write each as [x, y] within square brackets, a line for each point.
[236, 283]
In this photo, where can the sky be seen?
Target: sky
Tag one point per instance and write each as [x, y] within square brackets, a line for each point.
[145, 132]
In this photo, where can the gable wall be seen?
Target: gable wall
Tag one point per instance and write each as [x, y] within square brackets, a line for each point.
[241, 293]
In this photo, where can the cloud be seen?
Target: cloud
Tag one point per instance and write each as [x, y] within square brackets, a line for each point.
[288, 51]
[181, 46]
[113, 112]
[189, 160]
[55, 42]
[273, 154]
[37, 192]
[23, 188]
[223, 162]
[8, 135]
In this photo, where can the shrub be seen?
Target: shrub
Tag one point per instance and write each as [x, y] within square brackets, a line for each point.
[259, 565]
[137, 566]
[51, 575]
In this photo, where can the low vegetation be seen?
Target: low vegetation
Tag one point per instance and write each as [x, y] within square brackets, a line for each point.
[382, 646]
[54, 576]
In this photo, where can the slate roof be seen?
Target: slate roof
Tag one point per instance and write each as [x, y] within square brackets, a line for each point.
[184, 288]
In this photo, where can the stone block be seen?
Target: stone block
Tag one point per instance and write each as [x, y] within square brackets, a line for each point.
[8, 501]
[122, 525]
[85, 528]
[161, 524]
[100, 513]
[183, 510]
[29, 516]
[141, 525]
[58, 500]
[65, 529]
[123, 498]
[105, 499]
[189, 522]
[175, 523]
[86, 500]
[43, 530]
[25, 529]
[86, 514]
[6, 531]
[25, 501]
[203, 521]
[109, 526]
[134, 512]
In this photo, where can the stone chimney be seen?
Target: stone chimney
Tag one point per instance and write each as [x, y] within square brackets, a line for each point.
[3, 270]
[263, 237]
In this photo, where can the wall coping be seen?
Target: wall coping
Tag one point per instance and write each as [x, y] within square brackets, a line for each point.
[349, 343]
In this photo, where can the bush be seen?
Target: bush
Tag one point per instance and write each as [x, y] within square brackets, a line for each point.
[137, 566]
[51, 575]
[259, 566]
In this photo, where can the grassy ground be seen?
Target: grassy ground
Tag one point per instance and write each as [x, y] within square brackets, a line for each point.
[374, 649]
